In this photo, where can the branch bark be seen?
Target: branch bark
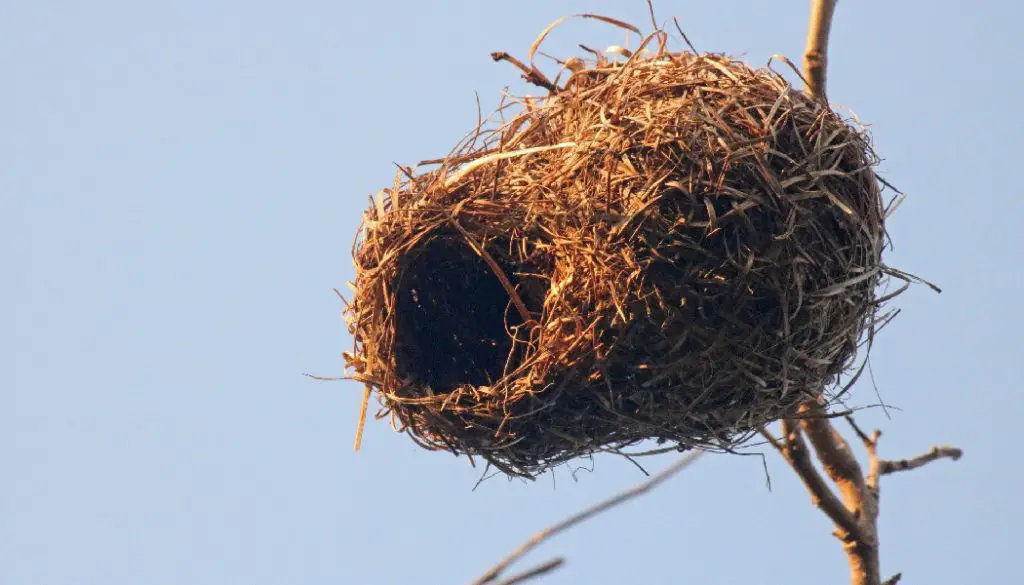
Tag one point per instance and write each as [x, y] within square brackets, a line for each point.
[839, 463]
[934, 454]
[857, 520]
[856, 516]
[541, 569]
[816, 50]
[794, 450]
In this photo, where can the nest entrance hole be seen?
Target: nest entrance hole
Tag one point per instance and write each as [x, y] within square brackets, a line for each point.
[455, 321]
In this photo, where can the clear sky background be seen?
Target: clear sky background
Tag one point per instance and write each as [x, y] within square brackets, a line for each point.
[180, 184]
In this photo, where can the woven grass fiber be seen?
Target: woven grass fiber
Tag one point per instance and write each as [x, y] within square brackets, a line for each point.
[674, 246]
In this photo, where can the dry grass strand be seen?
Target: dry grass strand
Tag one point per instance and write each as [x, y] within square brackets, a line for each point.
[676, 247]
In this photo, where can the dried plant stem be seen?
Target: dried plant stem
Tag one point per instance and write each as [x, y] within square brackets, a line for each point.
[495, 571]
[367, 391]
[473, 165]
[816, 50]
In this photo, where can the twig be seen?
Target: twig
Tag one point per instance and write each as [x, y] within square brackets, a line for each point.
[856, 517]
[494, 572]
[886, 467]
[530, 74]
[794, 449]
[839, 464]
[537, 571]
[816, 50]
[860, 494]
[869, 442]
[871, 446]
[773, 441]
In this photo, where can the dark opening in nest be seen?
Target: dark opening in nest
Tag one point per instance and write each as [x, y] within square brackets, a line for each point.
[454, 318]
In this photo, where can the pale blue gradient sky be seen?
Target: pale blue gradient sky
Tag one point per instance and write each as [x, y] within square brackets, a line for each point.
[180, 186]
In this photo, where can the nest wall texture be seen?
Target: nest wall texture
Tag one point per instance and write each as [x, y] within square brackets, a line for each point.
[679, 248]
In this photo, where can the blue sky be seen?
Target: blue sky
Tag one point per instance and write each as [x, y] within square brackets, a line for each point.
[180, 187]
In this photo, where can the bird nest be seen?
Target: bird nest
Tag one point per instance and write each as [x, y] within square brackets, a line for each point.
[676, 247]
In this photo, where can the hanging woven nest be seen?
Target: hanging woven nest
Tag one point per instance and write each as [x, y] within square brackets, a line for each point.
[676, 247]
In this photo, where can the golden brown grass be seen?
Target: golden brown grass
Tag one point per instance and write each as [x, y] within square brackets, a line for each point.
[675, 247]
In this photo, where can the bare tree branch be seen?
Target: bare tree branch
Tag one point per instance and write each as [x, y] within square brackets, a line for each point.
[871, 446]
[794, 450]
[495, 571]
[860, 493]
[938, 452]
[880, 467]
[816, 51]
[840, 465]
[541, 569]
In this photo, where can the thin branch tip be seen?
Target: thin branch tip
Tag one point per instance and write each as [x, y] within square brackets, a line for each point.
[934, 454]
[537, 571]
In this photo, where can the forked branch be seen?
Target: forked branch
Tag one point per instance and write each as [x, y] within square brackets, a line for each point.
[856, 518]
[860, 492]
[794, 450]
